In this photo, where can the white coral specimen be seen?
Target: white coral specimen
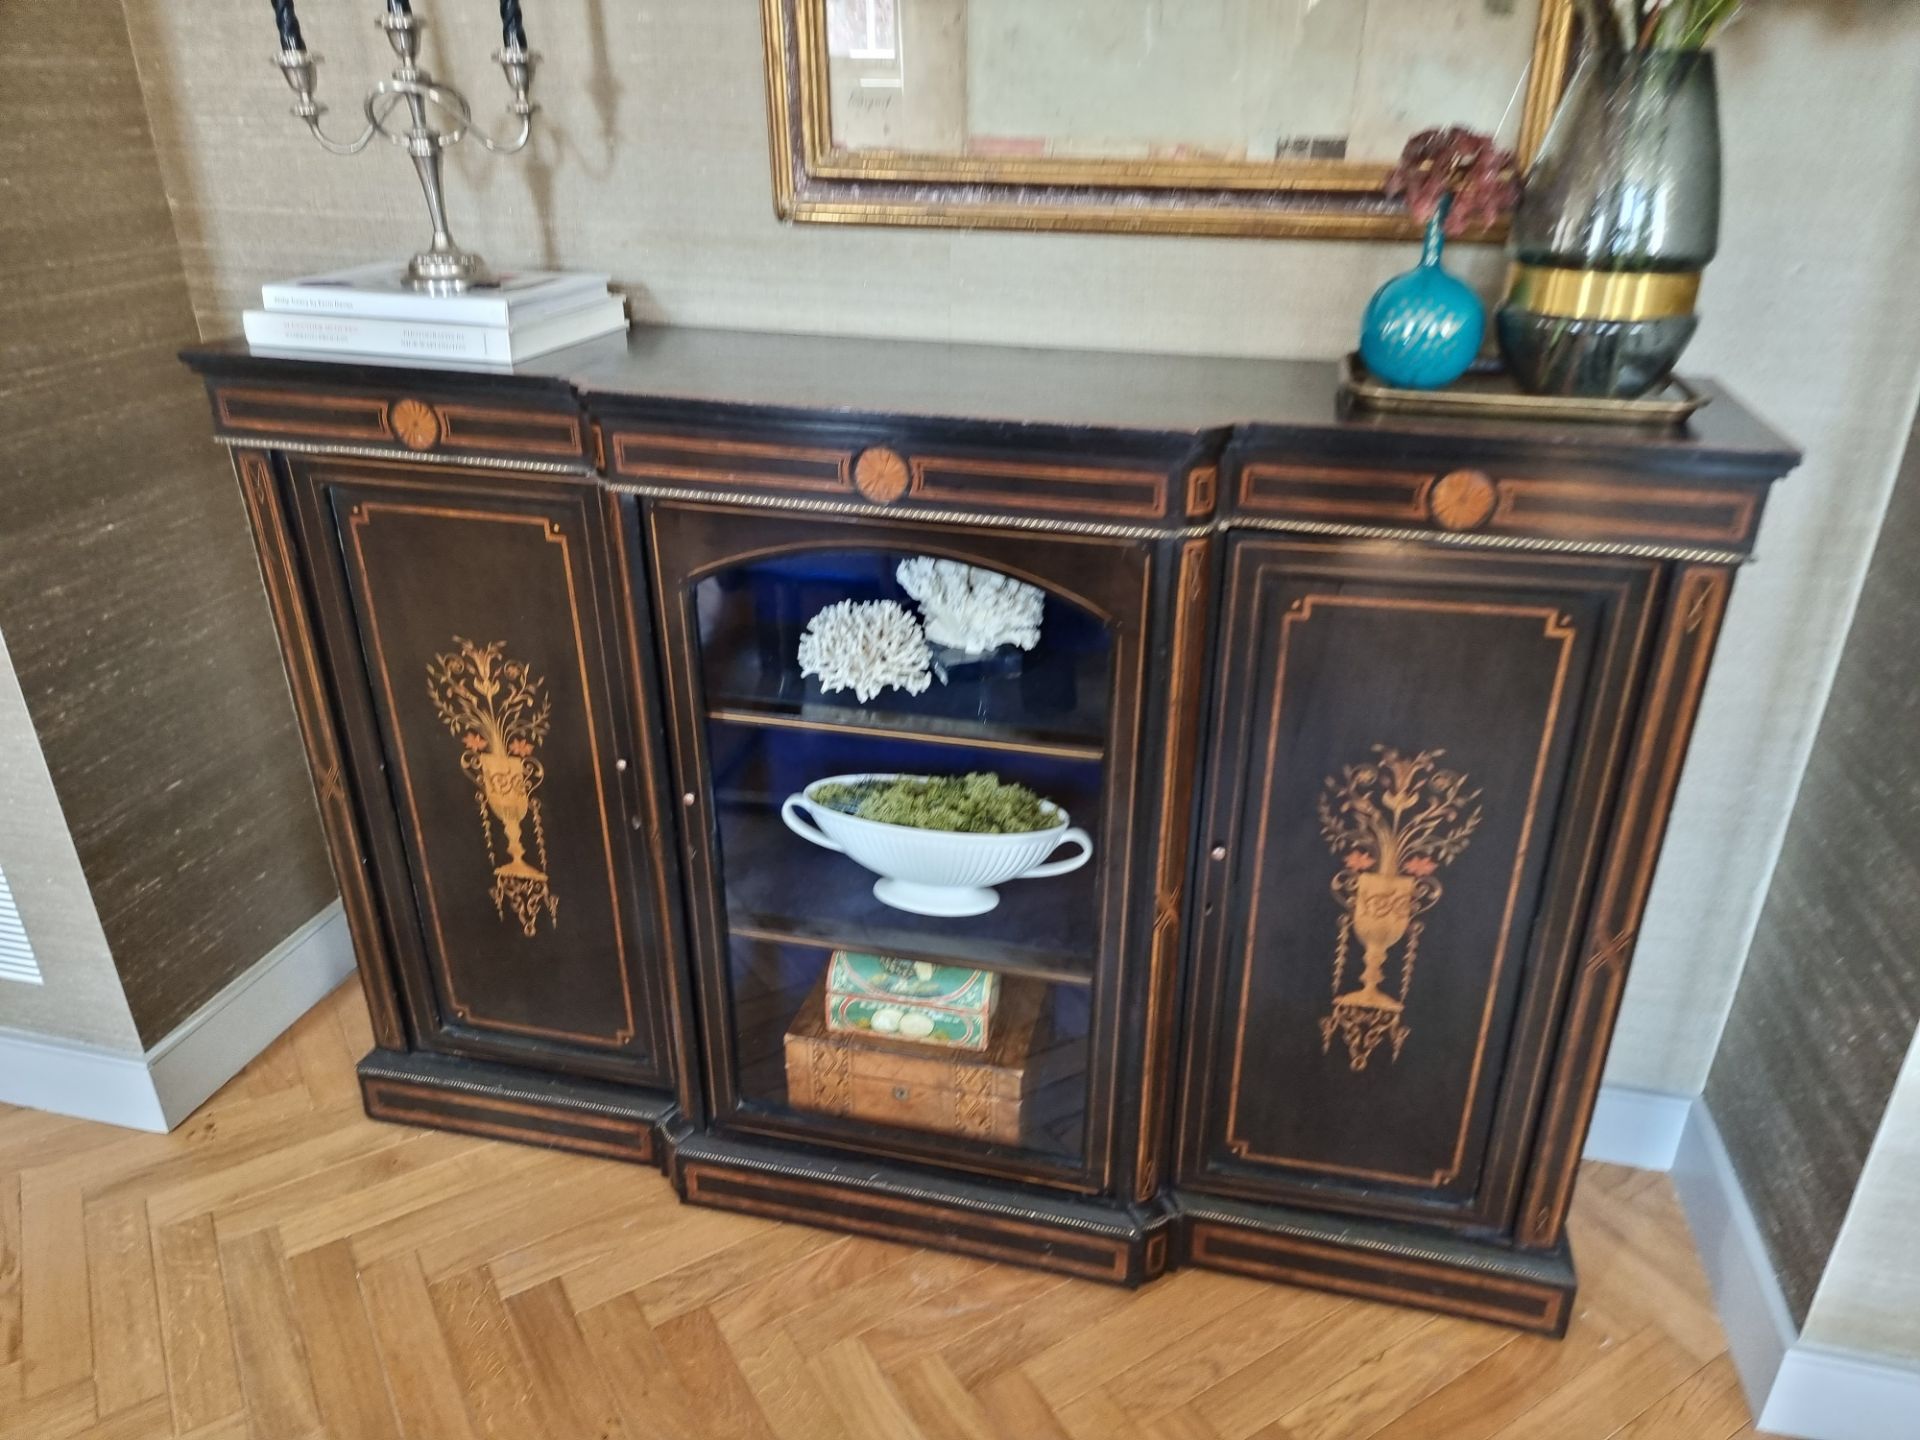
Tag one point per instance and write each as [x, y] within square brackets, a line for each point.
[971, 609]
[865, 647]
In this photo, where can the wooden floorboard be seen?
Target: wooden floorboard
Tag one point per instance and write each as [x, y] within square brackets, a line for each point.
[281, 1267]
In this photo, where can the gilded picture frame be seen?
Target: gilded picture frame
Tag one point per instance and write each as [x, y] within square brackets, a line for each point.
[816, 181]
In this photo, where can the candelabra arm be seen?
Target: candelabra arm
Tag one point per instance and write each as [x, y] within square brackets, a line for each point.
[423, 118]
[298, 67]
[517, 65]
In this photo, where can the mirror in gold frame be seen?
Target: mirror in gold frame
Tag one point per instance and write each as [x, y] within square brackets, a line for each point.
[1225, 117]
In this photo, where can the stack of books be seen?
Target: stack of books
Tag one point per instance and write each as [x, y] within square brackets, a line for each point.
[370, 310]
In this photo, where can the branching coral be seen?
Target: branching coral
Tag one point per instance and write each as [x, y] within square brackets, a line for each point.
[970, 609]
[865, 647]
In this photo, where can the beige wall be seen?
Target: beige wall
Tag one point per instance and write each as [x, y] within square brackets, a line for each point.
[1813, 317]
[653, 163]
[80, 998]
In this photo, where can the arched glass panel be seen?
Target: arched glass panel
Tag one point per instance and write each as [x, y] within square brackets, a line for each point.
[908, 760]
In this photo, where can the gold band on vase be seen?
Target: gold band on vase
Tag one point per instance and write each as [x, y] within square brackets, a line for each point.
[1602, 294]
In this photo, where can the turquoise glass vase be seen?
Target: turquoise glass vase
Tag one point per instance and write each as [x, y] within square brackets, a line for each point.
[1423, 329]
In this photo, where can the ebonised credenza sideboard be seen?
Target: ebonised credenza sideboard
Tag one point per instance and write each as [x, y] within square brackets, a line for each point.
[1368, 726]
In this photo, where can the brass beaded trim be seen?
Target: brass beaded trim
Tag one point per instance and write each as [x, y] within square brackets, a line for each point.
[580, 470]
[1478, 540]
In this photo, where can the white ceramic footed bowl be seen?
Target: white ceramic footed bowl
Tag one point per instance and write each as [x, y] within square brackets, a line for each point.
[934, 872]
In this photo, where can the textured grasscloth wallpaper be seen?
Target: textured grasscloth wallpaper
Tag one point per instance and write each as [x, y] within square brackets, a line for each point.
[654, 165]
[1827, 1007]
[128, 592]
[1869, 1298]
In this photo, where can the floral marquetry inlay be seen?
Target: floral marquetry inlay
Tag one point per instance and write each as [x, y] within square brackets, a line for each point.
[1394, 822]
[500, 712]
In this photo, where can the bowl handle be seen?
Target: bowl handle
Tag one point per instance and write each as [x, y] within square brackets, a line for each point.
[1075, 836]
[790, 811]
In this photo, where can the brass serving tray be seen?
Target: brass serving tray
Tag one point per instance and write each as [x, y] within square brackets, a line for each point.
[1494, 395]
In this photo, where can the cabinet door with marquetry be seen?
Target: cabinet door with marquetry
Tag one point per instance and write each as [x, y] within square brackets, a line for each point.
[1409, 773]
[483, 643]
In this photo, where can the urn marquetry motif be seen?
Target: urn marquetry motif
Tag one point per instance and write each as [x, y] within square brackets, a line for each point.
[1394, 822]
[500, 711]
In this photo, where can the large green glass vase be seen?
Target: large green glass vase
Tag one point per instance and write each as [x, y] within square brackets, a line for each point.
[1620, 216]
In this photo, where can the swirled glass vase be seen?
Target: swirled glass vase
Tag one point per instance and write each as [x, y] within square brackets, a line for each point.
[1422, 329]
[1621, 214]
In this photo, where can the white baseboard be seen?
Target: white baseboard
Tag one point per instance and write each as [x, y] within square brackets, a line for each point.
[1753, 1310]
[214, 1044]
[69, 1078]
[1640, 1128]
[159, 1089]
[1828, 1395]
[1797, 1390]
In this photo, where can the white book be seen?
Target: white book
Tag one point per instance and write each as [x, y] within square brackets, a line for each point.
[380, 292]
[425, 340]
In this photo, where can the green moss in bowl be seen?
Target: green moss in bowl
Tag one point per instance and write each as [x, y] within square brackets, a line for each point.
[977, 804]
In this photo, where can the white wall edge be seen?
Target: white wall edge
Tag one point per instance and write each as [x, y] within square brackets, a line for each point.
[216, 1042]
[1641, 1128]
[84, 1081]
[159, 1089]
[1797, 1390]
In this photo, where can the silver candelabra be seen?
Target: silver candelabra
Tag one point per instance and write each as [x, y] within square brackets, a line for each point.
[443, 267]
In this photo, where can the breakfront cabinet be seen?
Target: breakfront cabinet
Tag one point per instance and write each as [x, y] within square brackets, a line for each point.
[1355, 734]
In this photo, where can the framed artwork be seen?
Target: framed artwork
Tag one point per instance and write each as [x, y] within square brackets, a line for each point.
[1210, 117]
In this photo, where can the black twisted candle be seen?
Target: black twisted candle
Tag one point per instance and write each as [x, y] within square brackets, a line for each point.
[289, 25]
[513, 34]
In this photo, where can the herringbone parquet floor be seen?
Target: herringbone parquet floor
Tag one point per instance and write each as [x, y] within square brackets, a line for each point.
[281, 1267]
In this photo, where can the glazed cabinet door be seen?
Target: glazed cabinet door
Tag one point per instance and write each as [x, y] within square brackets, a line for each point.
[948, 998]
[1410, 766]
[478, 630]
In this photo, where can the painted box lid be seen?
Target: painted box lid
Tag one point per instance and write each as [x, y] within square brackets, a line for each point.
[910, 999]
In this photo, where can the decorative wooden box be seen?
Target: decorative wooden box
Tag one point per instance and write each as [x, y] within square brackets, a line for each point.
[976, 1093]
[945, 1005]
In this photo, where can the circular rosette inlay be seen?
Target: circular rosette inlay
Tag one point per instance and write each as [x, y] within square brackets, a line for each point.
[415, 423]
[1462, 499]
[880, 474]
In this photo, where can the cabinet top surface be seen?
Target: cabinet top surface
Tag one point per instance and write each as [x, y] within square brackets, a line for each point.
[854, 379]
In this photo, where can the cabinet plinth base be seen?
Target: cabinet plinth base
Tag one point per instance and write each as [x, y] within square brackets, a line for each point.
[1530, 1289]
[1072, 1236]
[476, 1098]
[1091, 1240]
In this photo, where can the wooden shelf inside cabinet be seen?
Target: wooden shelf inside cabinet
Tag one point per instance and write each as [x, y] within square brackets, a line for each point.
[921, 729]
[1054, 706]
[782, 889]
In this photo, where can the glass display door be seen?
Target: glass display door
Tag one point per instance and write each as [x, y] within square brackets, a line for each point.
[908, 759]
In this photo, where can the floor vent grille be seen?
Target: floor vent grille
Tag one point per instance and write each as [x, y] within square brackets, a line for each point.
[16, 954]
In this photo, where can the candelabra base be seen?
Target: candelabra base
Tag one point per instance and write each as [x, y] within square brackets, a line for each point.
[447, 271]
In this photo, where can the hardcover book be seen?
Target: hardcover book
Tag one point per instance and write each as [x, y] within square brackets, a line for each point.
[380, 292]
[431, 340]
